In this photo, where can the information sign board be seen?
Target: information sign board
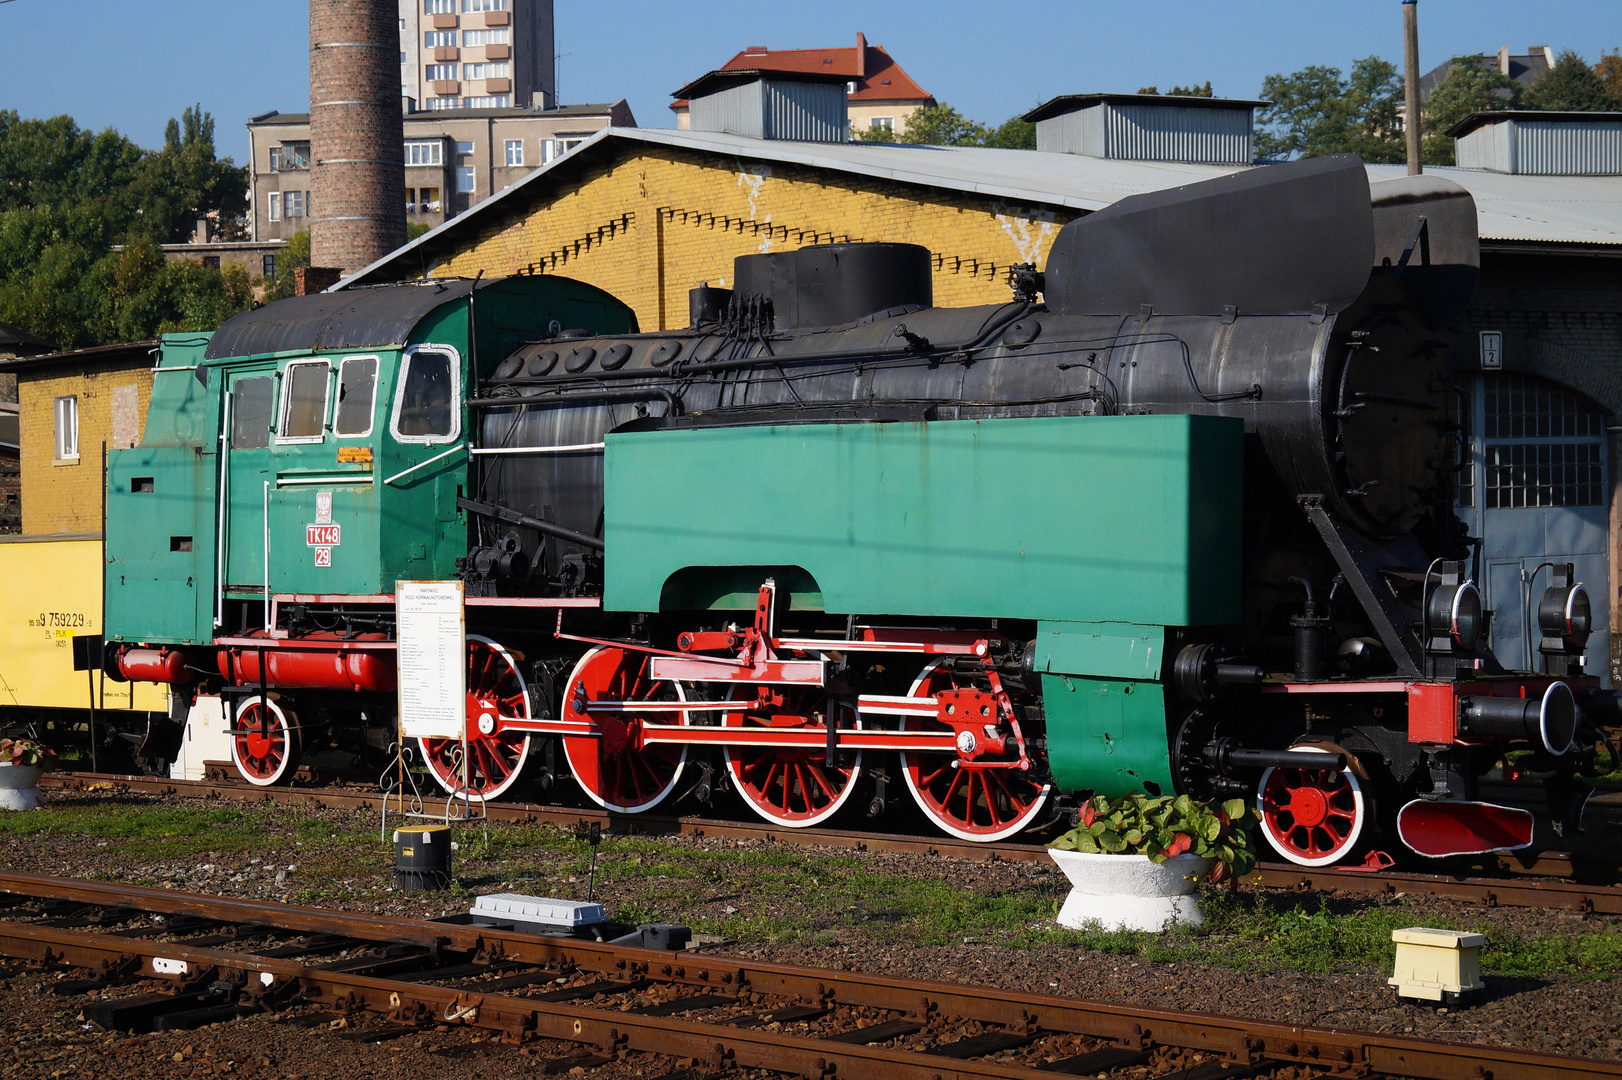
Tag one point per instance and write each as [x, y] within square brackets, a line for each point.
[432, 657]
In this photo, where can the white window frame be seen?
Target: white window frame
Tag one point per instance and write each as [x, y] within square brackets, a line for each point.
[484, 5]
[436, 72]
[495, 35]
[515, 153]
[439, 7]
[429, 152]
[882, 123]
[399, 397]
[439, 104]
[65, 423]
[371, 406]
[289, 200]
[487, 69]
[275, 210]
[430, 39]
[471, 174]
[287, 403]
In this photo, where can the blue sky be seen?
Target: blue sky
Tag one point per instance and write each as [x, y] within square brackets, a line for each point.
[136, 64]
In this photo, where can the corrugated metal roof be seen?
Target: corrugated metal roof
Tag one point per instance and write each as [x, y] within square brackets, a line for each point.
[1538, 209]
[354, 319]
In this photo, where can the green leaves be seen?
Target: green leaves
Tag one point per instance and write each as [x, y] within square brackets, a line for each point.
[1164, 826]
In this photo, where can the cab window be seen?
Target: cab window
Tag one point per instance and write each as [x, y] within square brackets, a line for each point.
[427, 405]
[250, 413]
[304, 402]
[357, 388]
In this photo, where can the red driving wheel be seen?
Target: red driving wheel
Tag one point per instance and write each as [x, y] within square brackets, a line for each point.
[266, 742]
[613, 769]
[789, 786]
[1312, 817]
[980, 800]
[496, 695]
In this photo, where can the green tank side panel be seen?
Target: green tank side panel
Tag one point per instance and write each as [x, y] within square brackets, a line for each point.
[1112, 650]
[1106, 735]
[161, 509]
[1130, 519]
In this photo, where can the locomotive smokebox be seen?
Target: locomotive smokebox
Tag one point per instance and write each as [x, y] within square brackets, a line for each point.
[831, 284]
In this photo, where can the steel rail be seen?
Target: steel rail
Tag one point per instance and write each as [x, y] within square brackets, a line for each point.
[719, 981]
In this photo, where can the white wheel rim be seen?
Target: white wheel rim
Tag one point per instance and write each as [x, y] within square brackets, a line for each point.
[1359, 820]
[736, 772]
[918, 797]
[452, 786]
[288, 759]
[574, 768]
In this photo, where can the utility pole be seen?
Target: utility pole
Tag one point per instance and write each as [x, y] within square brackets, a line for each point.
[1410, 64]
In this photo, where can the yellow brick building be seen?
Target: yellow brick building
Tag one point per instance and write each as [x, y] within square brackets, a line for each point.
[69, 404]
[648, 215]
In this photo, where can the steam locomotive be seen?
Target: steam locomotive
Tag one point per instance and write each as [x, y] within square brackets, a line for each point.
[1176, 517]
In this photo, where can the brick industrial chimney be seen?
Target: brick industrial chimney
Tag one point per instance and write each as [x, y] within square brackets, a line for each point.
[357, 182]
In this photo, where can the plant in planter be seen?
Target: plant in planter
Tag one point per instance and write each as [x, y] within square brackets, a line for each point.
[21, 762]
[1134, 862]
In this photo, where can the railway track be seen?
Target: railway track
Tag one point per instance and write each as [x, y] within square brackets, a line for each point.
[165, 960]
[1552, 880]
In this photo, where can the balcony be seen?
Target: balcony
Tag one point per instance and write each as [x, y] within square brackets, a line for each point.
[497, 18]
[498, 86]
[498, 52]
[443, 53]
[443, 87]
[444, 22]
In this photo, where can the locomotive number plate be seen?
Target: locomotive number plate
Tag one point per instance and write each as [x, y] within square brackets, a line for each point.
[323, 556]
[321, 535]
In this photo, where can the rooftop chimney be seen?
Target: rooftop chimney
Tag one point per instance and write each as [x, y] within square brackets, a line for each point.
[357, 211]
[861, 55]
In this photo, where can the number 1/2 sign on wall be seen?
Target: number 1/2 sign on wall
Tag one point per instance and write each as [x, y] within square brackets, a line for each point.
[432, 657]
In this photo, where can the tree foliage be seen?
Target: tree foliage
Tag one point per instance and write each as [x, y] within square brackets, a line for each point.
[1473, 84]
[1317, 111]
[1180, 91]
[1570, 84]
[942, 125]
[1609, 70]
[69, 196]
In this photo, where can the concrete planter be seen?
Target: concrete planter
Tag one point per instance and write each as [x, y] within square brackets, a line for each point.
[19, 787]
[1128, 892]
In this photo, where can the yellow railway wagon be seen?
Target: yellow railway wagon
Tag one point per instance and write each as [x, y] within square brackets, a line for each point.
[50, 593]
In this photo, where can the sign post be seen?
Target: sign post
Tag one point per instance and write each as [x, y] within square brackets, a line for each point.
[432, 633]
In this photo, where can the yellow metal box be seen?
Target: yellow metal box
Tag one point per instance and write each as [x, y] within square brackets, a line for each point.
[1436, 965]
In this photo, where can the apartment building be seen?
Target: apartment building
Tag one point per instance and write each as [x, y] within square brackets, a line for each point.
[477, 54]
[455, 158]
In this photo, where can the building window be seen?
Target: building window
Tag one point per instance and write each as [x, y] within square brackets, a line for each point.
[882, 123]
[275, 159]
[211, 262]
[464, 148]
[464, 180]
[295, 157]
[428, 201]
[439, 7]
[425, 152]
[498, 101]
[270, 266]
[499, 69]
[67, 429]
[484, 5]
[439, 39]
[275, 206]
[474, 38]
[1543, 474]
[515, 151]
[441, 73]
[439, 104]
[293, 204]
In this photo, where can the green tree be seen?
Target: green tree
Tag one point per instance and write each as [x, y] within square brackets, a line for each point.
[1473, 84]
[1012, 134]
[293, 257]
[1181, 91]
[1316, 111]
[942, 125]
[1570, 85]
[185, 181]
[1609, 70]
